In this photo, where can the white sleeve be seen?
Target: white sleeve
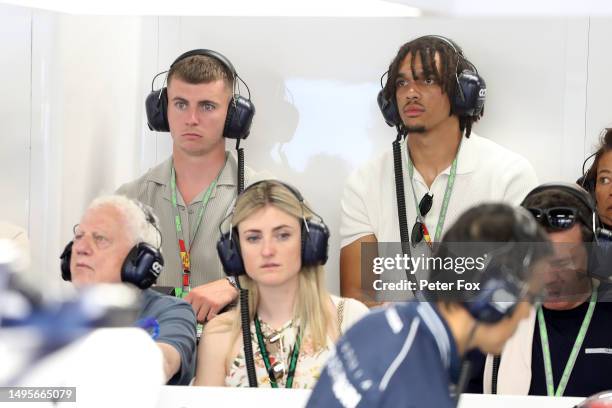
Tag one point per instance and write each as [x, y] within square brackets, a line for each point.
[355, 221]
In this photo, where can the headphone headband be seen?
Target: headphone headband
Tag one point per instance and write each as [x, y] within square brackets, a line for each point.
[314, 237]
[143, 263]
[207, 53]
[467, 101]
[577, 192]
[240, 111]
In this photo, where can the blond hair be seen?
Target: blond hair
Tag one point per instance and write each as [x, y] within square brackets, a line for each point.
[312, 306]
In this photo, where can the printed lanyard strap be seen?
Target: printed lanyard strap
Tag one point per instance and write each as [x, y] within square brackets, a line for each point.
[447, 195]
[295, 352]
[184, 251]
[569, 366]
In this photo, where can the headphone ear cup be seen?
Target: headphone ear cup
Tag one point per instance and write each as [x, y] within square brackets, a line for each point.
[388, 108]
[315, 244]
[229, 254]
[65, 262]
[496, 299]
[142, 266]
[471, 94]
[239, 117]
[156, 106]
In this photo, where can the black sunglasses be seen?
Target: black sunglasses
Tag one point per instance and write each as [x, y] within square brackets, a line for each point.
[418, 230]
[558, 218]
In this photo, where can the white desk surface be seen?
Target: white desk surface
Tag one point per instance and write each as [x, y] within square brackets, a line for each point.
[196, 397]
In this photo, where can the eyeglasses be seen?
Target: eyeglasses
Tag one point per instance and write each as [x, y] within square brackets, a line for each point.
[558, 218]
[418, 230]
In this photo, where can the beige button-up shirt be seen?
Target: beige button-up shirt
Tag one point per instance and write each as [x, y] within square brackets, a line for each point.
[153, 189]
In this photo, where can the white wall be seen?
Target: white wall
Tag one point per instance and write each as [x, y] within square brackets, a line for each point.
[314, 82]
[15, 42]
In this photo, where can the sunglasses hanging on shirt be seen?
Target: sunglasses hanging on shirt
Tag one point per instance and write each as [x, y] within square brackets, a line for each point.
[419, 230]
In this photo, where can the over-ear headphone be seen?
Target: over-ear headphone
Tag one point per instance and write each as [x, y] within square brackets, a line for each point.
[469, 98]
[588, 178]
[501, 288]
[142, 265]
[315, 237]
[577, 192]
[240, 111]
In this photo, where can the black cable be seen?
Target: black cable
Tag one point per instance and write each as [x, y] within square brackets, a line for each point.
[401, 201]
[246, 337]
[240, 152]
[464, 376]
[494, 375]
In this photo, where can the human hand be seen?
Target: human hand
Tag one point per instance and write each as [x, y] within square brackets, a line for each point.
[207, 300]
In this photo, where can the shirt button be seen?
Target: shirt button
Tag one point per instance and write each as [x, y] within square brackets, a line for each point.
[190, 211]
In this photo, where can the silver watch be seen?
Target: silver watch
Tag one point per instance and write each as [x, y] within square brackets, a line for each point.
[232, 281]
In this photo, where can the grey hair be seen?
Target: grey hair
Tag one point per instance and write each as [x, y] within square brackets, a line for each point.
[135, 216]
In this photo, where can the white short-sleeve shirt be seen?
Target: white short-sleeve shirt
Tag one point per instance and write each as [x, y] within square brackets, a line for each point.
[486, 172]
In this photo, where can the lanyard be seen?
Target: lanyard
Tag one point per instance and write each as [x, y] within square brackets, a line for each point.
[447, 195]
[295, 352]
[569, 366]
[184, 252]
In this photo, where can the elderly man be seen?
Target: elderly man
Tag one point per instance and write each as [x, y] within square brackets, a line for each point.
[563, 349]
[117, 240]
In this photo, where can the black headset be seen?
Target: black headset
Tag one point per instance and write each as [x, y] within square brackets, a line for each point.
[580, 194]
[315, 237]
[588, 178]
[501, 289]
[469, 97]
[240, 111]
[142, 265]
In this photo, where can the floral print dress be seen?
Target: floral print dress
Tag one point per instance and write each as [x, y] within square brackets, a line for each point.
[279, 344]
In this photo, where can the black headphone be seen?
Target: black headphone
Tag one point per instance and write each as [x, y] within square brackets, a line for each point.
[469, 98]
[240, 111]
[588, 178]
[315, 237]
[501, 288]
[142, 265]
[577, 192]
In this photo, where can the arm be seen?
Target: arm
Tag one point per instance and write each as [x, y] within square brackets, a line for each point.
[177, 336]
[207, 300]
[172, 360]
[351, 284]
[213, 351]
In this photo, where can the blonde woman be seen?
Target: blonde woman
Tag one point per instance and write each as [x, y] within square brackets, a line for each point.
[294, 320]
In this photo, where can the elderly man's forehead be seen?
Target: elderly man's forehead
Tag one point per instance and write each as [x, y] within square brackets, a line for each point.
[105, 215]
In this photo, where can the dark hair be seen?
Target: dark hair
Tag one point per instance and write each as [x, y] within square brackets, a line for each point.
[554, 197]
[605, 145]
[503, 236]
[199, 69]
[427, 47]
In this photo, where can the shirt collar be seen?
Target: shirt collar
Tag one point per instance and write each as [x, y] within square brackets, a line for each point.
[162, 174]
[466, 162]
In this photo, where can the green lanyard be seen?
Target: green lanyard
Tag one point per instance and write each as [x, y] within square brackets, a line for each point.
[295, 352]
[569, 366]
[447, 193]
[184, 251]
